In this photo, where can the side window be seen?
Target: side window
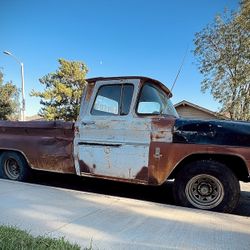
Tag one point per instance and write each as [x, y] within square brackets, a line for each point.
[150, 101]
[113, 100]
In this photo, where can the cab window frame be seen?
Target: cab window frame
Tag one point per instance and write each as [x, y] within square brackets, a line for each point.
[120, 103]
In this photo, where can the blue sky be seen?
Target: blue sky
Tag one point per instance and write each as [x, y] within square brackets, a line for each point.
[129, 37]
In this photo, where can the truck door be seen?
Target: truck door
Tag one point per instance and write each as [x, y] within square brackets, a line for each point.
[112, 142]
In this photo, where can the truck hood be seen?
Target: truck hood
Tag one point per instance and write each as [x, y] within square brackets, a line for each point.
[218, 132]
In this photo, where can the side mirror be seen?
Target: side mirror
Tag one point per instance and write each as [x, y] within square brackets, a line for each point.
[149, 108]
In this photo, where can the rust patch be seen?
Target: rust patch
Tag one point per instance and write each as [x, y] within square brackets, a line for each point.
[162, 129]
[84, 167]
[163, 123]
[142, 174]
[162, 136]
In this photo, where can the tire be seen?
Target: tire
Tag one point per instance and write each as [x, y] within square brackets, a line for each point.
[13, 166]
[207, 185]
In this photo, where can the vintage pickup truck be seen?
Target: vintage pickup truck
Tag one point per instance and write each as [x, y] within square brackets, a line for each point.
[129, 131]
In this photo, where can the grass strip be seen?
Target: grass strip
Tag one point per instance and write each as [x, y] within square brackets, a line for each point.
[12, 238]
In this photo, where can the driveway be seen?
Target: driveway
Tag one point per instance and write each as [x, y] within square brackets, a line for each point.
[118, 223]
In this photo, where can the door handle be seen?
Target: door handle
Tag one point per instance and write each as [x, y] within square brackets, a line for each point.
[88, 123]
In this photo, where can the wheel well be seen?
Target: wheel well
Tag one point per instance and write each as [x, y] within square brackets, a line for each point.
[14, 151]
[235, 163]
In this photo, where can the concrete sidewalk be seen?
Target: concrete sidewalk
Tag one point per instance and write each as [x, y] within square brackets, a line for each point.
[117, 223]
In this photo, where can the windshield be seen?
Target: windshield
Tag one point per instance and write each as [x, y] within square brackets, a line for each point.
[153, 101]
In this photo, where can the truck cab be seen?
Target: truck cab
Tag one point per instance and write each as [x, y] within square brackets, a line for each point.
[119, 120]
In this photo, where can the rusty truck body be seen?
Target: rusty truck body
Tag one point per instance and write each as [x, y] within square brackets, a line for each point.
[128, 130]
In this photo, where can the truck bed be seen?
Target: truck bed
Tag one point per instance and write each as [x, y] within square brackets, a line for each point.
[46, 145]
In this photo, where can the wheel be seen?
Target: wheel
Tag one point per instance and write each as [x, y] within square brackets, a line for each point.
[208, 185]
[13, 166]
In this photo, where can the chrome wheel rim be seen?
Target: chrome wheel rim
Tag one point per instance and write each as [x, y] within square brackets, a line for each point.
[204, 191]
[12, 169]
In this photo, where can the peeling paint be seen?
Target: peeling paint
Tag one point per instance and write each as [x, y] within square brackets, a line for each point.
[216, 132]
[84, 167]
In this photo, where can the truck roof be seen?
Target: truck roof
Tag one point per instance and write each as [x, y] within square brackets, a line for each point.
[143, 78]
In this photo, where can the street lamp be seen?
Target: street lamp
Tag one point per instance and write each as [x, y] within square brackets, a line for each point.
[22, 76]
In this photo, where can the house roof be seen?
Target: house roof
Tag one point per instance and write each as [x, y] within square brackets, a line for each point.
[186, 103]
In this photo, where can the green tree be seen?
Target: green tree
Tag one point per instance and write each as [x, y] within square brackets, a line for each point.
[9, 105]
[63, 90]
[223, 55]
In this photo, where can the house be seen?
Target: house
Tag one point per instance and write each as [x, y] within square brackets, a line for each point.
[189, 110]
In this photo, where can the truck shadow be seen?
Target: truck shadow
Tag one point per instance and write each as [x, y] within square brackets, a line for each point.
[162, 194]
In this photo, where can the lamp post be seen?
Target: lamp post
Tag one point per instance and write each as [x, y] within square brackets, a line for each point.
[22, 77]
